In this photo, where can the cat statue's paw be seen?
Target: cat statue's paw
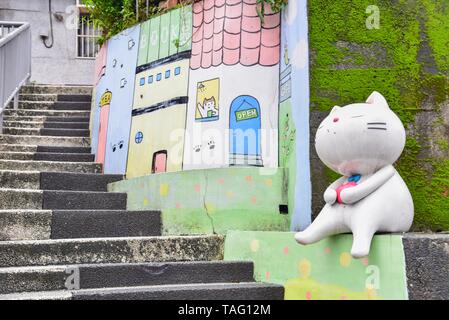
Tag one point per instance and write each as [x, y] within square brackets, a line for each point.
[330, 196]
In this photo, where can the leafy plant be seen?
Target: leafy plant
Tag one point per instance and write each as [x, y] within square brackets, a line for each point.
[276, 6]
[114, 16]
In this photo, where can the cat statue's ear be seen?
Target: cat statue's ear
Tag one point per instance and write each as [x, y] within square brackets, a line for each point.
[335, 109]
[377, 99]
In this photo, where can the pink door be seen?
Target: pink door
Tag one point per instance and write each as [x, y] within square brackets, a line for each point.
[102, 133]
[159, 162]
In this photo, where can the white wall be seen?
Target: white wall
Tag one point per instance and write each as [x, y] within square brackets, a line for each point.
[257, 81]
[59, 64]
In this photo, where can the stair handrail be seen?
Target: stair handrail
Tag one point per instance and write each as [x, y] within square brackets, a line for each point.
[15, 61]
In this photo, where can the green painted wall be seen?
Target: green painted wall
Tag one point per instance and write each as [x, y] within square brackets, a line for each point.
[324, 270]
[407, 60]
[213, 200]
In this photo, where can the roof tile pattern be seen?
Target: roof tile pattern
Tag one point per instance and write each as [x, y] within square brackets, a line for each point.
[230, 32]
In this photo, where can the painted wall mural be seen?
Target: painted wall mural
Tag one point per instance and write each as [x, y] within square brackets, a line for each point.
[234, 75]
[207, 86]
[122, 57]
[160, 99]
[324, 270]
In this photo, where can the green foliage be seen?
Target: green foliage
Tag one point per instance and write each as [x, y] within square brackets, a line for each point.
[276, 6]
[114, 16]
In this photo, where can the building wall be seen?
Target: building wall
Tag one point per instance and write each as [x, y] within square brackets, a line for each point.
[59, 64]
[406, 60]
[208, 96]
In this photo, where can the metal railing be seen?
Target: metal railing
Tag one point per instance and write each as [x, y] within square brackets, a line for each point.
[15, 61]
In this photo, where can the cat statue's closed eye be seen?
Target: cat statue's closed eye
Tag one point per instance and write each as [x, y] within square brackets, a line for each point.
[361, 142]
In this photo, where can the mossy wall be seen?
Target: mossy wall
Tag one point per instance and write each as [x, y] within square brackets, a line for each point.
[407, 60]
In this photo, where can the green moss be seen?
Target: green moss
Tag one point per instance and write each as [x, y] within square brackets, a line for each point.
[340, 76]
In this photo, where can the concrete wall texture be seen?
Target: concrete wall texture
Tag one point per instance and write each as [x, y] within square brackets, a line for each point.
[59, 64]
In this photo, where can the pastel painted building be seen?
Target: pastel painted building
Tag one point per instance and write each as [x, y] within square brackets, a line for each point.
[213, 129]
[233, 86]
[156, 141]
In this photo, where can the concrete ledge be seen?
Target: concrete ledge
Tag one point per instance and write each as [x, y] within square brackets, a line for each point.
[427, 261]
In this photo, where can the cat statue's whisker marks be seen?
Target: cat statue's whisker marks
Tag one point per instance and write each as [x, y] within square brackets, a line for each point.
[361, 142]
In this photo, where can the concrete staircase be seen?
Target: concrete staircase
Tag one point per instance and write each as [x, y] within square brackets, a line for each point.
[63, 236]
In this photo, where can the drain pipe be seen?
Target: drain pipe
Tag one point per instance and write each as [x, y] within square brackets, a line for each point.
[44, 38]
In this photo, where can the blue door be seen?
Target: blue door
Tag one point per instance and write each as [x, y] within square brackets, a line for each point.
[245, 125]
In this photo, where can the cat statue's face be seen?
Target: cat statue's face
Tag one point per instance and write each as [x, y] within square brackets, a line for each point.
[360, 138]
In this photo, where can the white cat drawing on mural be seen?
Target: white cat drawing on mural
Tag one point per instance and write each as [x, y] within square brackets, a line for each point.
[361, 141]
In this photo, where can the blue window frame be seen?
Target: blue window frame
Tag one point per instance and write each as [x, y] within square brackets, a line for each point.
[167, 74]
[142, 81]
[159, 77]
[177, 71]
[150, 79]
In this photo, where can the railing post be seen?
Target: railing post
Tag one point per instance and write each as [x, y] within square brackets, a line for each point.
[16, 100]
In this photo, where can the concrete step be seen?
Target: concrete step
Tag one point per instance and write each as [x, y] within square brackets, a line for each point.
[71, 224]
[76, 181]
[67, 119]
[210, 291]
[46, 113]
[22, 131]
[56, 149]
[38, 97]
[22, 199]
[63, 157]
[17, 225]
[17, 147]
[110, 250]
[56, 132]
[66, 125]
[45, 141]
[16, 155]
[70, 105]
[50, 166]
[25, 225]
[219, 291]
[53, 278]
[55, 89]
[75, 97]
[54, 105]
[82, 200]
[19, 179]
[23, 124]
[46, 119]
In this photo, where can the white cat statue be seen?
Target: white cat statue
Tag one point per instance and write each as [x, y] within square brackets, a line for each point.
[361, 141]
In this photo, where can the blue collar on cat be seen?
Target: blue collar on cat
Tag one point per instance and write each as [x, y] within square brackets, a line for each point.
[354, 178]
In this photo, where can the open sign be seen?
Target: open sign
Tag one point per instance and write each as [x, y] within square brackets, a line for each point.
[246, 114]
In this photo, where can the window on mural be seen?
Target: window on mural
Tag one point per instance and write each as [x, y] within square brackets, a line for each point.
[87, 36]
[158, 76]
